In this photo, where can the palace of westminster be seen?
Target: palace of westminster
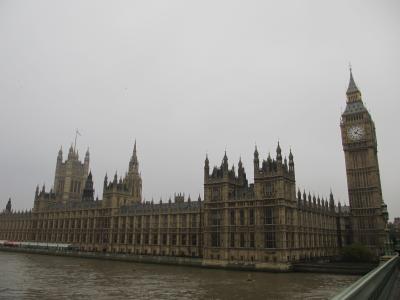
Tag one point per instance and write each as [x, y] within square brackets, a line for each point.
[262, 223]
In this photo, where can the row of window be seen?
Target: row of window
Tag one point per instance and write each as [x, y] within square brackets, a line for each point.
[269, 240]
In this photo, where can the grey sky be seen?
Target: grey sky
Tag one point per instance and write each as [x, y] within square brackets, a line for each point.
[189, 77]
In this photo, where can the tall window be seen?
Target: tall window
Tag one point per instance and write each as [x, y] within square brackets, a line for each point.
[269, 215]
[215, 218]
[241, 217]
[232, 240]
[242, 241]
[164, 239]
[155, 239]
[216, 194]
[215, 239]
[194, 240]
[232, 217]
[183, 240]
[269, 190]
[269, 241]
[251, 216]
[174, 239]
[252, 244]
[194, 220]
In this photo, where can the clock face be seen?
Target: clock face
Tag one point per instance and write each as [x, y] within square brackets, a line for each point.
[356, 133]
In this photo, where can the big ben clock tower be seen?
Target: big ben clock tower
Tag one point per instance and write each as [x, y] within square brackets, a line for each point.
[368, 211]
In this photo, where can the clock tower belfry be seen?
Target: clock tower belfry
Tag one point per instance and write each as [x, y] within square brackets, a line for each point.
[368, 211]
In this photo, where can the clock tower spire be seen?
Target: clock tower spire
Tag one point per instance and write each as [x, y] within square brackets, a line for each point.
[368, 211]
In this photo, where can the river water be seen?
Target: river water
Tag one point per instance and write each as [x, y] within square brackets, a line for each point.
[32, 276]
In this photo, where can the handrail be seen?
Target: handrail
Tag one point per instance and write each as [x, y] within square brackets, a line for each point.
[374, 285]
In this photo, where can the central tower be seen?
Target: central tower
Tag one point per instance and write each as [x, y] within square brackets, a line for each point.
[368, 211]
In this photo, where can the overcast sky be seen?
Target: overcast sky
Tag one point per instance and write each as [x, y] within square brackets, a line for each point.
[186, 78]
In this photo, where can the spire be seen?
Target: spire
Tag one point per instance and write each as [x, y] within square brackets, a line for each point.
[87, 155]
[134, 163]
[353, 93]
[255, 152]
[60, 153]
[88, 191]
[256, 160]
[225, 162]
[352, 88]
[331, 201]
[206, 168]
[278, 153]
[71, 152]
[8, 206]
[206, 162]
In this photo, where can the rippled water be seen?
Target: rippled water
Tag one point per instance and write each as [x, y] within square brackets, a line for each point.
[30, 276]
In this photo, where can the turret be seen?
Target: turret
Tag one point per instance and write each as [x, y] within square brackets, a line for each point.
[331, 202]
[88, 191]
[241, 171]
[278, 153]
[105, 182]
[256, 160]
[206, 168]
[71, 153]
[134, 163]
[291, 162]
[59, 156]
[224, 165]
[299, 197]
[8, 206]
[37, 192]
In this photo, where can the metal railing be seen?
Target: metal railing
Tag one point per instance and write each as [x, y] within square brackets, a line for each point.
[377, 284]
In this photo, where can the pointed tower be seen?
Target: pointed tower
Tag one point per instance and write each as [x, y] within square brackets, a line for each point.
[367, 209]
[87, 160]
[224, 165]
[206, 168]
[278, 153]
[291, 162]
[8, 206]
[70, 176]
[88, 191]
[256, 161]
[134, 163]
[134, 179]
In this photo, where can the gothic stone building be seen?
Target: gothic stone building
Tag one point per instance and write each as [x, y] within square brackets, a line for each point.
[266, 223]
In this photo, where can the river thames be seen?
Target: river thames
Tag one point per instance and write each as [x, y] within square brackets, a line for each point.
[30, 276]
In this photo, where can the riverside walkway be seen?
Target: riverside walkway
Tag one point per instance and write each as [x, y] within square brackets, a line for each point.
[383, 282]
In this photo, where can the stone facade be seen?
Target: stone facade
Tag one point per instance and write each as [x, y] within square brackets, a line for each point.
[265, 223]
